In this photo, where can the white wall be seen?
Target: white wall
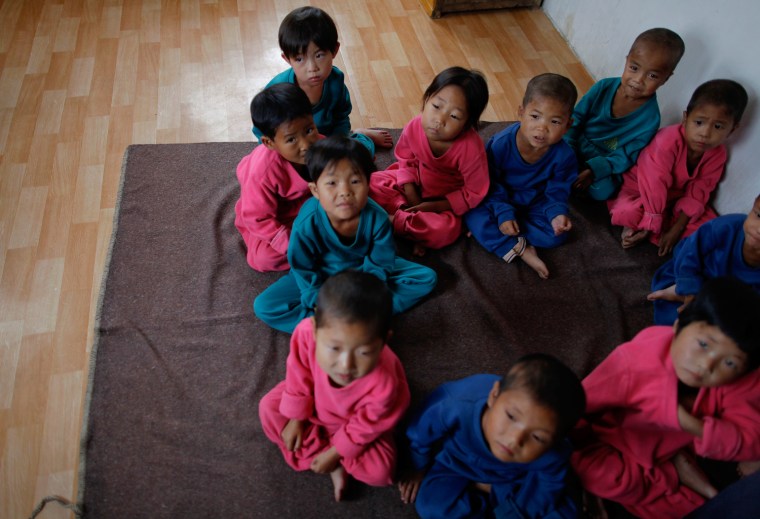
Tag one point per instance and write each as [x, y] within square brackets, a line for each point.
[720, 43]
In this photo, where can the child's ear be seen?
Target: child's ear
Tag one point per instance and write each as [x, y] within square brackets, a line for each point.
[287, 59]
[683, 121]
[337, 48]
[314, 326]
[520, 111]
[494, 393]
[313, 188]
[268, 142]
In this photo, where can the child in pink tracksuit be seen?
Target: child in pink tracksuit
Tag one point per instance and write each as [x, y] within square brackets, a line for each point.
[665, 196]
[273, 177]
[344, 389]
[668, 394]
[442, 170]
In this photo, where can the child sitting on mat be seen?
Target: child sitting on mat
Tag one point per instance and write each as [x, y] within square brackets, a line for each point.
[273, 178]
[668, 394]
[619, 116]
[487, 446]
[532, 170]
[442, 171]
[309, 43]
[344, 389]
[339, 228]
[729, 245]
[666, 195]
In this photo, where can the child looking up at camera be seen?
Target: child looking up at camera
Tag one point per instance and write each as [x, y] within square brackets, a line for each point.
[344, 389]
[619, 116]
[532, 170]
[729, 245]
[309, 43]
[672, 392]
[273, 177]
[666, 194]
[442, 171]
[487, 446]
[339, 228]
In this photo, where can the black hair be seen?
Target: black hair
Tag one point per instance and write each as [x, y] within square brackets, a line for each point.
[551, 384]
[278, 104]
[356, 297]
[665, 38]
[733, 307]
[330, 150]
[473, 85]
[305, 25]
[553, 86]
[720, 92]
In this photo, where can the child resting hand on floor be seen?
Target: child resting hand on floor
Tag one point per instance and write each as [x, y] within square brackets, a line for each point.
[442, 171]
[619, 116]
[532, 170]
[487, 445]
[344, 389]
[670, 393]
[729, 245]
[666, 195]
[339, 228]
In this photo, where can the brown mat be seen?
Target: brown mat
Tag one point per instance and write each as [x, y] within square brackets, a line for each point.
[181, 361]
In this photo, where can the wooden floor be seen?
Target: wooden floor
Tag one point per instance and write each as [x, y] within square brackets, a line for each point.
[81, 80]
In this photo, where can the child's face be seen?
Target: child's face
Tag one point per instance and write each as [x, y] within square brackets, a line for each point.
[703, 356]
[516, 428]
[444, 115]
[706, 127]
[293, 139]
[647, 68]
[312, 67]
[751, 247]
[342, 191]
[543, 121]
[346, 350]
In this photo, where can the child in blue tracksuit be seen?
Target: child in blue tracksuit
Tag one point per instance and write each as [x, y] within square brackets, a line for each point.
[531, 170]
[339, 228]
[490, 446]
[729, 245]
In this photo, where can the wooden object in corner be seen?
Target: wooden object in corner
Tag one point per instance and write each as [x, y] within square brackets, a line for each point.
[437, 8]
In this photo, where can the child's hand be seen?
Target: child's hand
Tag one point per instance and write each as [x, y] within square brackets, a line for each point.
[561, 224]
[510, 228]
[326, 461]
[410, 485]
[292, 434]
[585, 178]
[668, 240]
[666, 294]
[411, 194]
[690, 423]
[430, 206]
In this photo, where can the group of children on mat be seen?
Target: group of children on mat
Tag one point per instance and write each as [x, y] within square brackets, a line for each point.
[315, 207]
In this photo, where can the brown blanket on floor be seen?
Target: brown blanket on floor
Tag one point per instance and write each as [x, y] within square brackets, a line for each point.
[181, 361]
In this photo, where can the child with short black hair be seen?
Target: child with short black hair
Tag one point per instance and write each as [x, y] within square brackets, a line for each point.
[619, 116]
[487, 445]
[442, 170]
[666, 195]
[532, 170]
[344, 389]
[670, 393]
[308, 40]
[273, 178]
[339, 228]
[729, 245]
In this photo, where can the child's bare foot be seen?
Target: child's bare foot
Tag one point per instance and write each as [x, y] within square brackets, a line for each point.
[419, 250]
[530, 256]
[629, 238]
[381, 138]
[745, 468]
[593, 506]
[692, 476]
[339, 478]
